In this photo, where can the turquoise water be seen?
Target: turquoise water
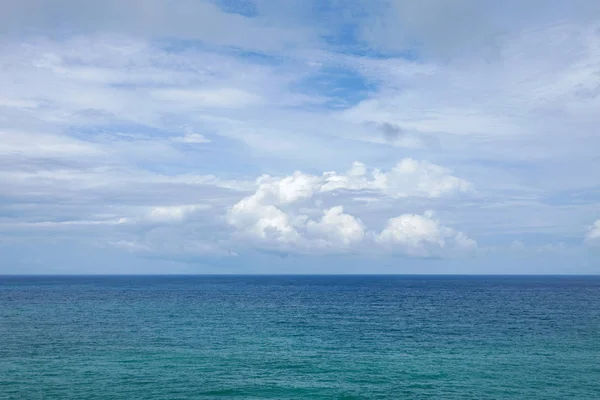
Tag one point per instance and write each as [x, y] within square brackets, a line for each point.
[312, 337]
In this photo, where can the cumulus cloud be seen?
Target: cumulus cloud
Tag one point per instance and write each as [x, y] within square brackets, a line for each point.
[593, 234]
[408, 178]
[263, 221]
[337, 228]
[421, 235]
[273, 216]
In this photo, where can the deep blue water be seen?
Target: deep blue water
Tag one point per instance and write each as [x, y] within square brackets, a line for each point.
[300, 337]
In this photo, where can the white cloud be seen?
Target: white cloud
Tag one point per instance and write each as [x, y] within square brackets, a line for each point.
[593, 234]
[421, 235]
[192, 138]
[129, 216]
[286, 190]
[265, 222]
[64, 224]
[409, 178]
[337, 228]
[274, 216]
[173, 213]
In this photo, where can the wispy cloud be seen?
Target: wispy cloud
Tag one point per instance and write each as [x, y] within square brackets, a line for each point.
[142, 126]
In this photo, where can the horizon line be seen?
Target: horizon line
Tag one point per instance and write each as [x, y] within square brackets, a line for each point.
[288, 274]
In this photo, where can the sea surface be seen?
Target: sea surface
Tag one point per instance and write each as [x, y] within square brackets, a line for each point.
[300, 337]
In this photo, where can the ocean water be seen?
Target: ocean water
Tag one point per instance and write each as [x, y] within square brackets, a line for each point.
[300, 337]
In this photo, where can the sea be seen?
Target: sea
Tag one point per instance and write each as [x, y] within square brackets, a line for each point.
[300, 337]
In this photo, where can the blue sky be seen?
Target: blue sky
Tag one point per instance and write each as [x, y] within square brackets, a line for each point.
[299, 136]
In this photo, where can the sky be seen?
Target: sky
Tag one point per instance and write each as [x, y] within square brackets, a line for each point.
[300, 136]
